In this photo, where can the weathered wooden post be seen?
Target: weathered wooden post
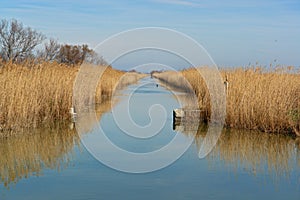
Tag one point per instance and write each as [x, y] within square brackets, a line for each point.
[188, 117]
[73, 114]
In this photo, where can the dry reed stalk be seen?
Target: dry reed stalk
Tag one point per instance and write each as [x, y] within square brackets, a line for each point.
[256, 99]
[267, 101]
[35, 94]
[41, 93]
[113, 80]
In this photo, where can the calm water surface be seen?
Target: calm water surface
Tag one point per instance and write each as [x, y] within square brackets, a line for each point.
[53, 164]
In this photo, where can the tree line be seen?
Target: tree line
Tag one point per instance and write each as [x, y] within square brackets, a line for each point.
[19, 43]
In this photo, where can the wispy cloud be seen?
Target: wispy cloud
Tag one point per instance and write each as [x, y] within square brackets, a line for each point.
[230, 3]
[247, 24]
[179, 2]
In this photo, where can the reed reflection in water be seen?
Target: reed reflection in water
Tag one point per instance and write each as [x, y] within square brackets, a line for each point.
[30, 152]
[27, 153]
[255, 152]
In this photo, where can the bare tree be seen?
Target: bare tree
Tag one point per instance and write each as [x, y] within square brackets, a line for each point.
[71, 54]
[51, 51]
[77, 54]
[16, 41]
[95, 58]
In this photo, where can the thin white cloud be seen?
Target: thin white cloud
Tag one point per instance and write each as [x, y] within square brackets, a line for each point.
[226, 4]
[179, 2]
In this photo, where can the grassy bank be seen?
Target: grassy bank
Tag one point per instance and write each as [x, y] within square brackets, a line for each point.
[35, 94]
[256, 99]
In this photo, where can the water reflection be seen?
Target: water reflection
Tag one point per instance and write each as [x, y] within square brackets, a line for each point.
[29, 152]
[90, 117]
[258, 152]
[255, 152]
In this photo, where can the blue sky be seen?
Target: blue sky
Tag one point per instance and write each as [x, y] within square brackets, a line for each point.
[234, 32]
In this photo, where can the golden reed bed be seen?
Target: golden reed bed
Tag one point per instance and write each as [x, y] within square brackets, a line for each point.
[256, 99]
[35, 94]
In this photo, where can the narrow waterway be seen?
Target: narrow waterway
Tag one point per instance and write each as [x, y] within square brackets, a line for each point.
[54, 163]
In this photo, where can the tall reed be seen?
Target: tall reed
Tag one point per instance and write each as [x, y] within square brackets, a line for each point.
[31, 95]
[41, 93]
[259, 99]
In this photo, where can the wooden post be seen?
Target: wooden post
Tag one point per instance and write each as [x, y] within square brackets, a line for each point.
[188, 115]
[73, 114]
[187, 119]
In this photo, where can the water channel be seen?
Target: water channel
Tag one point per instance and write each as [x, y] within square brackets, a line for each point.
[54, 163]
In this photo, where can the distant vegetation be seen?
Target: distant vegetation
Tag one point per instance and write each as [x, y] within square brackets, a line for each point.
[69, 54]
